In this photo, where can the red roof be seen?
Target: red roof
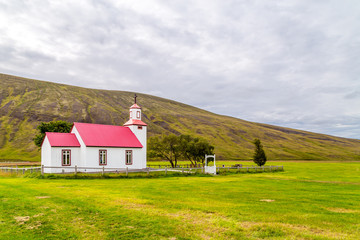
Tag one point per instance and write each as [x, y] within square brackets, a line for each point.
[135, 106]
[98, 135]
[62, 139]
[135, 122]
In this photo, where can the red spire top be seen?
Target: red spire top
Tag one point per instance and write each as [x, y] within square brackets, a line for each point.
[135, 106]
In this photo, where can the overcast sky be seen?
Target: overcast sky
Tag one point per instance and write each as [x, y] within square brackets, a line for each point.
[293, 63]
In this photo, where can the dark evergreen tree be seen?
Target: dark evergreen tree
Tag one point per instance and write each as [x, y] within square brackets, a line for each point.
[259, 155]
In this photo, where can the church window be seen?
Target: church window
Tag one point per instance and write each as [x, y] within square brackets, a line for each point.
[66, 157]
[128, 157]
[102, 157]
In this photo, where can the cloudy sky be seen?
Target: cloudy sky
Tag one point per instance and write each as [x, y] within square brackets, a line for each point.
[293, 63]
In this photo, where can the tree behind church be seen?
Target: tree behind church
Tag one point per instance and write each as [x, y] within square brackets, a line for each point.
[53, 126]
[166, 147]
[259, 155]
[194, 149]
[172, 148]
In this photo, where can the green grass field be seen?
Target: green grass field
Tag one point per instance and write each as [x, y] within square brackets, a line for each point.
[309, 200]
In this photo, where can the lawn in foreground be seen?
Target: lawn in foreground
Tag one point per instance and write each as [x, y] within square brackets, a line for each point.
[309, 200]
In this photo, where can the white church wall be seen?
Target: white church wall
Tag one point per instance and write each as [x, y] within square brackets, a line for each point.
[141, 134]
[46, 152]
[56, 159]
[115, 158]
[83, 155]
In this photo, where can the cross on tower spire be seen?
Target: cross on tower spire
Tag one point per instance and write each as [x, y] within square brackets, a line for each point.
[135, 96]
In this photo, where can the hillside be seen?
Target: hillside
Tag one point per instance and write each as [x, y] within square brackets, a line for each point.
[24, 103]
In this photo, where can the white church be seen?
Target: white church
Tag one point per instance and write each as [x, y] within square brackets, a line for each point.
[95, 146]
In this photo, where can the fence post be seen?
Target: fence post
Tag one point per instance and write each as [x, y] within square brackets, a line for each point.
[75, 170]
[183, 170]
[127, 171]
[148, 171]
[103, 171]
[23, 170]
[42, 170]
[165, 170]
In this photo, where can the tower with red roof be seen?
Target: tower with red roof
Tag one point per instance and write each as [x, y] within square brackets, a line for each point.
[137, 126]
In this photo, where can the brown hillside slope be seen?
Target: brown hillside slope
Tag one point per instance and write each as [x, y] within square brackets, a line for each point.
[24, 103]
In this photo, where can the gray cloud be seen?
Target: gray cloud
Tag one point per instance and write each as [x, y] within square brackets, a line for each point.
[286, 63]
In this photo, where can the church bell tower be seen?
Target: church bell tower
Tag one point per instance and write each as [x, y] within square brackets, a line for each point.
[138, 127]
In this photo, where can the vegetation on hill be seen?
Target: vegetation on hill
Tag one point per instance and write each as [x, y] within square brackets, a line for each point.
[25, 103]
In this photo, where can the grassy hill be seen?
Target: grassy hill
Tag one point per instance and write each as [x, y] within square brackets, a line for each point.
[24, 103]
